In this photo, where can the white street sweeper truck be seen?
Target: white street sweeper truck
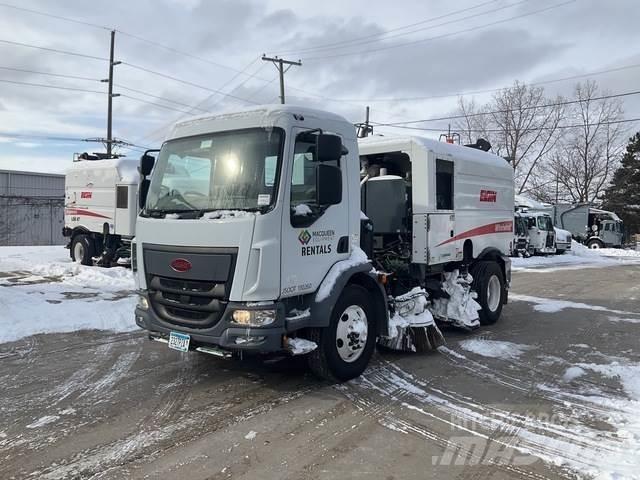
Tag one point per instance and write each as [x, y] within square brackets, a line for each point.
[100, 208]
[272, 230]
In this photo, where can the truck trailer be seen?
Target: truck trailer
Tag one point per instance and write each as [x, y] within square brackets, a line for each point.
[100, 209]
[272, 230]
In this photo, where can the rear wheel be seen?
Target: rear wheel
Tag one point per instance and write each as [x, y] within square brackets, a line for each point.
[346, 345]
[488, 282]
[82, 250]
[595, 244]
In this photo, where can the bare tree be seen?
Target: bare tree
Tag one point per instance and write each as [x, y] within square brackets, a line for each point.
[521, 124]
[589, 152]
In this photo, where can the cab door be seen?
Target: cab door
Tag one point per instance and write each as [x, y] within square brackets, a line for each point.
[314, 237]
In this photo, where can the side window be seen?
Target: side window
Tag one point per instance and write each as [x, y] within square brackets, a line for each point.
[122, 196]
[304, 207]
[444, 184]
[607, 227]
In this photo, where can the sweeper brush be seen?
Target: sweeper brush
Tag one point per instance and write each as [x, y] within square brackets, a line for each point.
[411, 327]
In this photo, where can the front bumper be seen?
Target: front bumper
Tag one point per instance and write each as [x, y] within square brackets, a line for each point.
[224, 334]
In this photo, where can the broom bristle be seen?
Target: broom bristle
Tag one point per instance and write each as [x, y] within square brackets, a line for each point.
[414, 339]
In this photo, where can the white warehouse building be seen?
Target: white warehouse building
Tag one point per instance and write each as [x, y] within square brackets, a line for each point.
[31, 208]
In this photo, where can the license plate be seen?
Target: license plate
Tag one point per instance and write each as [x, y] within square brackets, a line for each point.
[179, 341]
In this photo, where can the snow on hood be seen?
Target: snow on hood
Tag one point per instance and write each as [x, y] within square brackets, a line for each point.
[224, 214]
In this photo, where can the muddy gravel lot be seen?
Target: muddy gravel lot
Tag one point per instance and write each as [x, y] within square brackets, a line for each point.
[551, 391]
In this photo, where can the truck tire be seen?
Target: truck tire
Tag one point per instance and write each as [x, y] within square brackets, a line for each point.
[342, 353]
[488, 283]
[595, 244]
[82, 250]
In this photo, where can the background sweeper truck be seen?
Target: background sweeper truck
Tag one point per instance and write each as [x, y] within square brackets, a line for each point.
[273, 230]
[100, 208]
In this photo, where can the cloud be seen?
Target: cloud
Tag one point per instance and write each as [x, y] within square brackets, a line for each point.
[579, 37]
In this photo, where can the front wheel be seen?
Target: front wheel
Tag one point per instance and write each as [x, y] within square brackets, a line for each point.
[488, 282]
[346, 345]
[595, 244]
[82, 250]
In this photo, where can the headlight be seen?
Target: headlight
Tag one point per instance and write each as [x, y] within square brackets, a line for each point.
[254, 318]
[143, 303]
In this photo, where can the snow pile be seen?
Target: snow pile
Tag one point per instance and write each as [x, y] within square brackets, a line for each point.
[410, 311]
[550, 305]
[300, 346]
[460, 308]
[579, 256]
[357, 257]
[44, 292]
[627, 373]
[22, 258]
[582, 251]
[302, 210]
[572, 373]
[225, 214]
[494, 348]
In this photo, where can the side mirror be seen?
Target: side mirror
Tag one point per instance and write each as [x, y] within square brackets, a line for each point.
[328, 185]
[143, 190]
[328, 147]
[146, 164]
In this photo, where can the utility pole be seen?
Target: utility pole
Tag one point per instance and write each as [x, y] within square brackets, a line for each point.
[110, 95]
[280, 63]
[364, 129]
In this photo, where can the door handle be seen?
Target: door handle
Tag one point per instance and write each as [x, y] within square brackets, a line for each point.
[451, 234]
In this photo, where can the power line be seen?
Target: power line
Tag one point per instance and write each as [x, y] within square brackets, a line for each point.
[142, 100]
[59, 17]
[496, 130]
[186, 82]
[444, 35]
[54, 50]
[154, 133]
[194, 107]
[371, 38]
[507, 110]
[280, 65]
[74, 77]
[59, 87]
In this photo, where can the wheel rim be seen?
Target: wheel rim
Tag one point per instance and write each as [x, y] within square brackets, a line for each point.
[78, 252]
[351, 333]
[595, 246]
[493, 293]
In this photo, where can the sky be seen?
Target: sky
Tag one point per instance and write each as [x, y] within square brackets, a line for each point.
[383, 55]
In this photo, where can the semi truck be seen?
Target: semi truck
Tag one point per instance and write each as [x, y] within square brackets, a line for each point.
[593, 227]
[274, 230]
[100, 208]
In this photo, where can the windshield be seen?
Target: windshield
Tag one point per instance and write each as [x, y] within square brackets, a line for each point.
[221, 171]
[544, 223]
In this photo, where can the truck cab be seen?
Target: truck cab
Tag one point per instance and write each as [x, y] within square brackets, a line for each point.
[541, 232]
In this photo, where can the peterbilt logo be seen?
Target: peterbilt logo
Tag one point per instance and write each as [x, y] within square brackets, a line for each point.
[180, 265]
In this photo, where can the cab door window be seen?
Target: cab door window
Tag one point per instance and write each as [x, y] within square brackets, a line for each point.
[304, 207]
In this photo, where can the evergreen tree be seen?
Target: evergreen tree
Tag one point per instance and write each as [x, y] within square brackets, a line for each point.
[623, 195]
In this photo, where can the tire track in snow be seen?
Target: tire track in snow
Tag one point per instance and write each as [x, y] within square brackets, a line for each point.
[581, 448]
[157, 433]
[384, 412]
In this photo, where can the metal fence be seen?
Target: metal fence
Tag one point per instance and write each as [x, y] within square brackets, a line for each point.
[31, 221]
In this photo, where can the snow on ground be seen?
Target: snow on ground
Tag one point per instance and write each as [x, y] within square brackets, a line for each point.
[578, 257]
[550, 305]
[494, 348]
[42, 291]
